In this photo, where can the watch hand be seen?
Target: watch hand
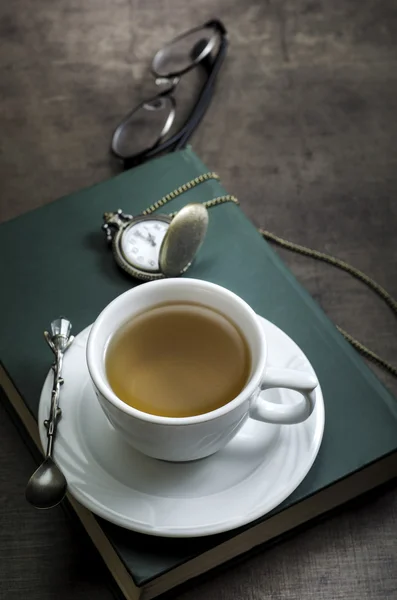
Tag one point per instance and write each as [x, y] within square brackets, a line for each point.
[147, 239]
[152, 239]
[150, 236]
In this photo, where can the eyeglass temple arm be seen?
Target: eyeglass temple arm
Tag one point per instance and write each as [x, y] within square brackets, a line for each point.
[205, 97]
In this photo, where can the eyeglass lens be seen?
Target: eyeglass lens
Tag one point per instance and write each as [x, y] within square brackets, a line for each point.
[177, 56]
[144, 127]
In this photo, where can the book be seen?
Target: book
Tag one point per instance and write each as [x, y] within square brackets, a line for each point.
[56, 261]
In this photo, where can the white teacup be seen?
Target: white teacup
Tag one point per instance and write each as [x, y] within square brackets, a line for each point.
[191, 438]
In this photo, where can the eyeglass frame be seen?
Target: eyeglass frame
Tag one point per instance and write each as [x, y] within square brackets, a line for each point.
[179, 139]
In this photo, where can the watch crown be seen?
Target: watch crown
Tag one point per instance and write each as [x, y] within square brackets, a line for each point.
[113, 221]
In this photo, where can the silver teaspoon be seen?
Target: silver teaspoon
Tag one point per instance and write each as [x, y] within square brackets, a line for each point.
[47, 486]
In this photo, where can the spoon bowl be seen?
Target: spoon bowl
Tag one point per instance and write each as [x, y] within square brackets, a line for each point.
[47, 486]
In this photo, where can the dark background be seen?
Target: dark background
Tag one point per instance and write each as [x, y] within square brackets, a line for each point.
[303, 130]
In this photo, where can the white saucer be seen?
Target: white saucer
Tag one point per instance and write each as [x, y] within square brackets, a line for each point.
[254, 473]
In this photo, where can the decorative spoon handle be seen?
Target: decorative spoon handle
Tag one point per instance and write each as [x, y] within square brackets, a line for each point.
[59, 341]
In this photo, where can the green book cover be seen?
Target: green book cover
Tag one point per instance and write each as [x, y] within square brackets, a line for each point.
[55, 261]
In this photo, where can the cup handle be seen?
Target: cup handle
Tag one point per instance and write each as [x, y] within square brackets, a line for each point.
[299, 381]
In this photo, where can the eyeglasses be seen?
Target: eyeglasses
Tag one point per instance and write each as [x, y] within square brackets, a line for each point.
[142, 134]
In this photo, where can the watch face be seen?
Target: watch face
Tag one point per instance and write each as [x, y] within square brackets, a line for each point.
[141, 243]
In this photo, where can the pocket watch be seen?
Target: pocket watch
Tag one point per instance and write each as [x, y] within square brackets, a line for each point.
[156, 246]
